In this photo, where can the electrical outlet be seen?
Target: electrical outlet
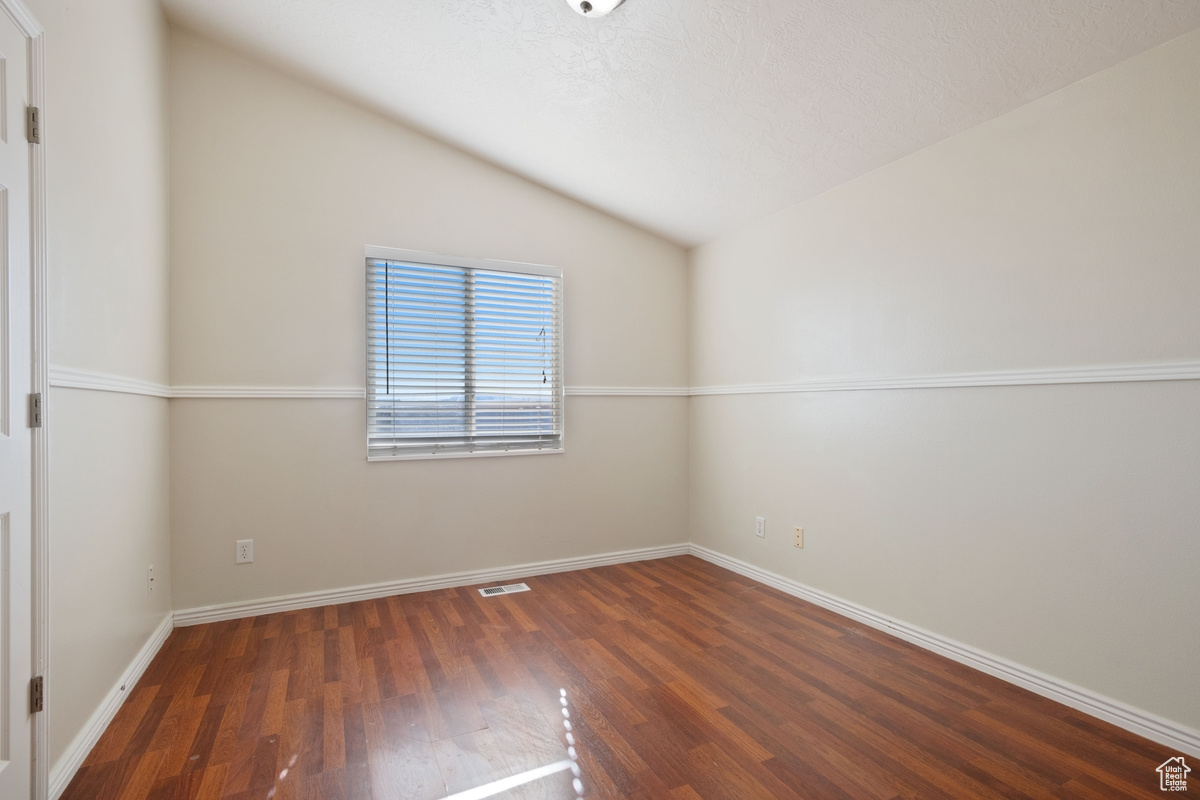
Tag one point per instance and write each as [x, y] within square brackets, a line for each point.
[799, 532]
[244, 552]
[150, 580]
[760, 527]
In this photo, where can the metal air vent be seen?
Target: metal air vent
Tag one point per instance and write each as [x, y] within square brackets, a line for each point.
[507, 589]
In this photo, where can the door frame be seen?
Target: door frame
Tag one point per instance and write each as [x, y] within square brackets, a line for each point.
[40, 383]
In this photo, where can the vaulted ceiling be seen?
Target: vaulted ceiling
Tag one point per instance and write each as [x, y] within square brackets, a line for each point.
[692, 117]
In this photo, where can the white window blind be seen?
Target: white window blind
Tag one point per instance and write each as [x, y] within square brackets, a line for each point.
[464, 356]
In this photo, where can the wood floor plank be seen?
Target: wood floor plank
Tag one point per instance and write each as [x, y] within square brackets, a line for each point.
[272, 719]
[124, 725]
[226, 741]
[311, 737]
[683, 681]
[141, 779]
[183, 735]
[333, 745]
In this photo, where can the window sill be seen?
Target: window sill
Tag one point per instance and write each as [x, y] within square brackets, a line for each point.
[481, 454]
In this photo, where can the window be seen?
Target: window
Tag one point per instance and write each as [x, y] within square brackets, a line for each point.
[464, 356]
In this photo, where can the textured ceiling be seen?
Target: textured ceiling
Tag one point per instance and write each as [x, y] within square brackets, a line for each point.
[692, 117]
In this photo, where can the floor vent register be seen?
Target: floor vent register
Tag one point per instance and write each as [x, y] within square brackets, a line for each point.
[511, 588]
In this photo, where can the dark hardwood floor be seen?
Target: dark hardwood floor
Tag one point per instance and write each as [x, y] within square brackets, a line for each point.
[684, 681]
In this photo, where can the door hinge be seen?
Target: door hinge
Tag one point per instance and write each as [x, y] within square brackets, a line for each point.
[33, 124]
[35, 410]
[37, 694]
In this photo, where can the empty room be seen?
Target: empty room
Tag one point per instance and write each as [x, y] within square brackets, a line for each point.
[599, 399]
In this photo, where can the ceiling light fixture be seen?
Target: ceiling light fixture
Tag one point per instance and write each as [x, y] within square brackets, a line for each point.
[594, 8]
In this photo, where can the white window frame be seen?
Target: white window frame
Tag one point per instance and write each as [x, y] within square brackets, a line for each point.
[436, 259]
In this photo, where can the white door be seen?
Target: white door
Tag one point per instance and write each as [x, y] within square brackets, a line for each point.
[16, 487]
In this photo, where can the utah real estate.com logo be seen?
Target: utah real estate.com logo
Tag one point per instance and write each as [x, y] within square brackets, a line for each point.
[1172, 775]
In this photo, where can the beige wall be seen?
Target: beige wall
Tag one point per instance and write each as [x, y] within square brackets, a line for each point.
[105, 144]
[275, 189]
[1055, 526]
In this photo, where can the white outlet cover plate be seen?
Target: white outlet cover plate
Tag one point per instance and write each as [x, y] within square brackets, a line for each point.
[243, 551]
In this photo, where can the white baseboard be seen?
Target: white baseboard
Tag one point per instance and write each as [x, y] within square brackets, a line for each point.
[1154, 728]
[254, 608]
[63, 771]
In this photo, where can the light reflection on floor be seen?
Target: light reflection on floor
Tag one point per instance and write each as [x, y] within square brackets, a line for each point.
[503, 785]
[534, 782]
[475, 766]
